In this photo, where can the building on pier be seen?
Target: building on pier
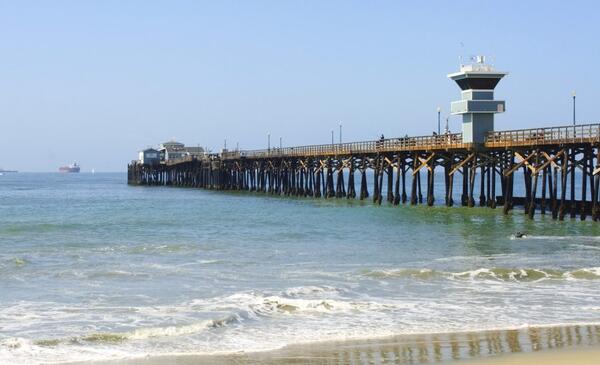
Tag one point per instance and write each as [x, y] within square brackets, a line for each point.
[171, 150]
[197, 152]
[149, 156]
[477, 107]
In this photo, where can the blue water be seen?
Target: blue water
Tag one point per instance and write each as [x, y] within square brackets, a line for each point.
[91, 268]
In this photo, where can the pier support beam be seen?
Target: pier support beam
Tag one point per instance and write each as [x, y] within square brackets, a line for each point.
[318, 175]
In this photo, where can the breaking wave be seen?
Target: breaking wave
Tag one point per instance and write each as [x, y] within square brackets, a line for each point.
[149, 332]
[245, 306]
[500, 274]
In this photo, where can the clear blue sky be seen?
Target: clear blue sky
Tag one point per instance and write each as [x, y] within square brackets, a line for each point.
[95, 81]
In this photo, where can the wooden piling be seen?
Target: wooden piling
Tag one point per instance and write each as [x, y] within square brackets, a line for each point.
[304, 172]
[572, 203]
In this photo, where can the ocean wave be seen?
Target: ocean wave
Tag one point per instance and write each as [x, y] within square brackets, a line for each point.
[499, 274]
[245, 306]
[154, 332]
[17, 350]
[310, 290]
[18, 228]
[556, 238]
[14, 262]
[134, 335]
[273, 304]
[585, 247]
[209, 262]
[118, 274]
[404, 273]
[267, 305]
[147, 248]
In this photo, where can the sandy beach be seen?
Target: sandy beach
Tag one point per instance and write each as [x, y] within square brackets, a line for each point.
[556, 357]
[577, 344]
[586, 356]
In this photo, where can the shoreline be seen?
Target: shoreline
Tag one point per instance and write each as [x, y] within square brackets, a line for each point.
[470, 347]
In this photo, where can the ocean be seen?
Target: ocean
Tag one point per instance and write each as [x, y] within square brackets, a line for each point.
[93, 269]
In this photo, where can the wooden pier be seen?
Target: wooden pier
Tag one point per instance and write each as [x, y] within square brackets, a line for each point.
[404, 169]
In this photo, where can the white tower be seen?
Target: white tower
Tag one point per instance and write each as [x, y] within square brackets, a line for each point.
[477, 82]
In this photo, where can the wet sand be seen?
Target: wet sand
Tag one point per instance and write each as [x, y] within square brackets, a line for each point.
[572, 344]
[586, 356]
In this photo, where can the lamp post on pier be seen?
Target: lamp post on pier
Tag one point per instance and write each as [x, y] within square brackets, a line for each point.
[439, 110]
[574, 96]
[447, 124]
[280, 139]
[340, 132]
[269, 141]
[332, 136]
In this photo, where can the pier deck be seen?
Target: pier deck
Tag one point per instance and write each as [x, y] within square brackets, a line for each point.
[548, 158]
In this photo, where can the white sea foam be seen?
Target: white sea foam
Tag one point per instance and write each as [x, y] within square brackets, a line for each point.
[586, 247]
[585, 274]
[311, 320]
[118, 274]
[22, 351]
[256, 304]
[310, 290]
[169, 331]
[556, 238]
[242, 306]
[208, 262]
[495, 273]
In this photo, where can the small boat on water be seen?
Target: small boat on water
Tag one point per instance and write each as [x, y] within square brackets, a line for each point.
[72, 168]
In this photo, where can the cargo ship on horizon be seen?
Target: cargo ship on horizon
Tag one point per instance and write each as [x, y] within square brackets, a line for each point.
[73, 168]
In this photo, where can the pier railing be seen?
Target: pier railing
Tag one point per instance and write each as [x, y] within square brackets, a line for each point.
[582, 133]
[435, 142]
